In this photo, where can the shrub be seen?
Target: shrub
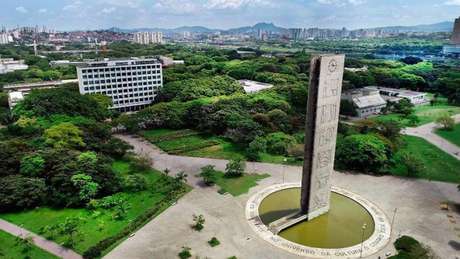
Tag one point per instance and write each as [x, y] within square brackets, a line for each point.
[235, 168]
[414, 165]
[278, 143]
[208, 173]
[198, 222]
[280, 119]
[257, 146]
[446, 122]
[88, 188]
[185, 253]
[365, 152]
[134, 183]
[214, 242]
[111, 201]
[142, 163]
[405, 243]
[409, 248]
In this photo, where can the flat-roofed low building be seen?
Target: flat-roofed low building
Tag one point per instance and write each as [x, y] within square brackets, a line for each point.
[367, 102]
[8, 65]
[17, 92]
[254, 86]
[393, 94]
[14, 98]
[131, 83]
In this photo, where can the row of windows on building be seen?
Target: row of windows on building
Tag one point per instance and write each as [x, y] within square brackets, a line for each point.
[129, 68]
[136, 100]
[138, 82]
[122, 96]
[115, 90]
[139, 73]
[372, 110]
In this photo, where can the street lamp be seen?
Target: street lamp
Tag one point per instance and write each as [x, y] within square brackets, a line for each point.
[284, 167]
[362, 239]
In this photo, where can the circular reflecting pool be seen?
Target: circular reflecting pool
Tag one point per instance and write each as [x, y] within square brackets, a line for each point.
[341, 227]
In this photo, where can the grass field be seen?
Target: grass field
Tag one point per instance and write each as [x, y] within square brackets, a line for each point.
[437, 165]
[10, 248]
[237, 185]
[452, 136]
[98, 224]
[192, 143]
[425, 113]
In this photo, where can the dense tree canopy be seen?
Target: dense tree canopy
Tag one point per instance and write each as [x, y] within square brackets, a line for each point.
[64, 101]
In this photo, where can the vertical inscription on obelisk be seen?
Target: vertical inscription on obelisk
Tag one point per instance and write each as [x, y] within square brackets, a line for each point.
[324, 92]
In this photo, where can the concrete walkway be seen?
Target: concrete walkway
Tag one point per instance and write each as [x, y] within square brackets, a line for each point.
[427, 132]
[39, 241]
[417, 202]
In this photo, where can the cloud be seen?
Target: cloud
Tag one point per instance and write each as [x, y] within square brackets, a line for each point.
[122, 3]
[108, 10]
[72, 6]
[342, 2]
[235, 4]
[177, 7]
[22, 9]
[452, 2]
[42, 10]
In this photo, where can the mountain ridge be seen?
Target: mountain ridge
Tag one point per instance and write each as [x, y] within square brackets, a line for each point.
[446, 26]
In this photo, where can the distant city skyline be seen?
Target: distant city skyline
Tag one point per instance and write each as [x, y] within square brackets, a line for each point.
[224, 14]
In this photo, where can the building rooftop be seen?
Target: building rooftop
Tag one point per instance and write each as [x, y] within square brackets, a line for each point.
[120, 62]
[400, 92]
[42, 84]
[16, 96]
[368, 101]
[254, 86]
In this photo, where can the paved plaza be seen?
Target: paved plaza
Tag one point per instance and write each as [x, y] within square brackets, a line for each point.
[417, 203]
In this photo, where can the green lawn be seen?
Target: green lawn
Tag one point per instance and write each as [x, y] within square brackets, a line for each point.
[437, 165]
[452, 136]
[10, 248]
[425, 113]
[95, 225]
[237, 185]
[192, 143]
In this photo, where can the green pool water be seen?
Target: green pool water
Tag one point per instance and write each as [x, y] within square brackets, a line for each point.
[340, 227]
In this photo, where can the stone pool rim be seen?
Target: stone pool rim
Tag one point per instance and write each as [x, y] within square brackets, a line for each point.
[378, 240]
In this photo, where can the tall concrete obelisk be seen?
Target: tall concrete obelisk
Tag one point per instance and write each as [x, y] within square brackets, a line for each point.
[326, 73]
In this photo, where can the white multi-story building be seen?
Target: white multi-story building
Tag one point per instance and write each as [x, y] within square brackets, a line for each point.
[131, 83]
[148, 37]
[5, 38]
[8, 65]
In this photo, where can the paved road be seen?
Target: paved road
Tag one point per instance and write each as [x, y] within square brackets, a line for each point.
[39, 241]
[427, 132]
[417, 201]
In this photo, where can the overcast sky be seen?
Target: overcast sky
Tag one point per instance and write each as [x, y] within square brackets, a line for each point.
[223, 14]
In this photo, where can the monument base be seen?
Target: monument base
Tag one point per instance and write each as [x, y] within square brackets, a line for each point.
[377, 240]
[295, 218]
